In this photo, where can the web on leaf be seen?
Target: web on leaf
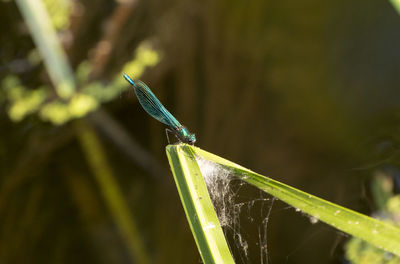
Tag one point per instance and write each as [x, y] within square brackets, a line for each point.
[243, 212]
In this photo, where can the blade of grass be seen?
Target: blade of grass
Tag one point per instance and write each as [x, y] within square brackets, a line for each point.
[378, 233]
[196, 201]
[45, 37]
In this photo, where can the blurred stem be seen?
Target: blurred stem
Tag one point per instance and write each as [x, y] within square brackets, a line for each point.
[45, 37]
[396, 4]
[97, 160]
[111, 128]
[91, 213]
[112, 32]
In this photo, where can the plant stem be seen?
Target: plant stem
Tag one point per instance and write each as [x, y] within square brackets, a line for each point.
[113, 197]
[45, 37]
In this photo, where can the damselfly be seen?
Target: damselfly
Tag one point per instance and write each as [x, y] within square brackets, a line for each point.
[153, 107]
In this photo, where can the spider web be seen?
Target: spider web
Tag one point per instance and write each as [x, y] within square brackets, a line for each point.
[243, 212]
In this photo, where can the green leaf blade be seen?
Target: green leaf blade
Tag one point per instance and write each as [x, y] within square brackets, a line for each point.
[381, 234]
[196, 201]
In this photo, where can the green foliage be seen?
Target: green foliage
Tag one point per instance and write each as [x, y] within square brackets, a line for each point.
[22, 101]
[145, 57]
[359, 251]
[69, 103]
[198, 207]
[59, 11]
[396, 4]
[381, 234]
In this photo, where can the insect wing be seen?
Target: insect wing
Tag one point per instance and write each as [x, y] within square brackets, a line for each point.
[153, 106]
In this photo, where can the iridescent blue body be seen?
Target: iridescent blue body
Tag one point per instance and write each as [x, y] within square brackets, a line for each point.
[153, 107]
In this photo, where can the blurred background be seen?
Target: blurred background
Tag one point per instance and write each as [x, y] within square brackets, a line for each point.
[306, 92]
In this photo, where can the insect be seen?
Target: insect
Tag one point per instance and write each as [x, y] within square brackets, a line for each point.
[153, 107]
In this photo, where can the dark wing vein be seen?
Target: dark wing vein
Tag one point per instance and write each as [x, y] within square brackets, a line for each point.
[153, 106]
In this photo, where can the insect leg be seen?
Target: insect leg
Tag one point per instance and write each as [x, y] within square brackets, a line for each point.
[166, 133]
